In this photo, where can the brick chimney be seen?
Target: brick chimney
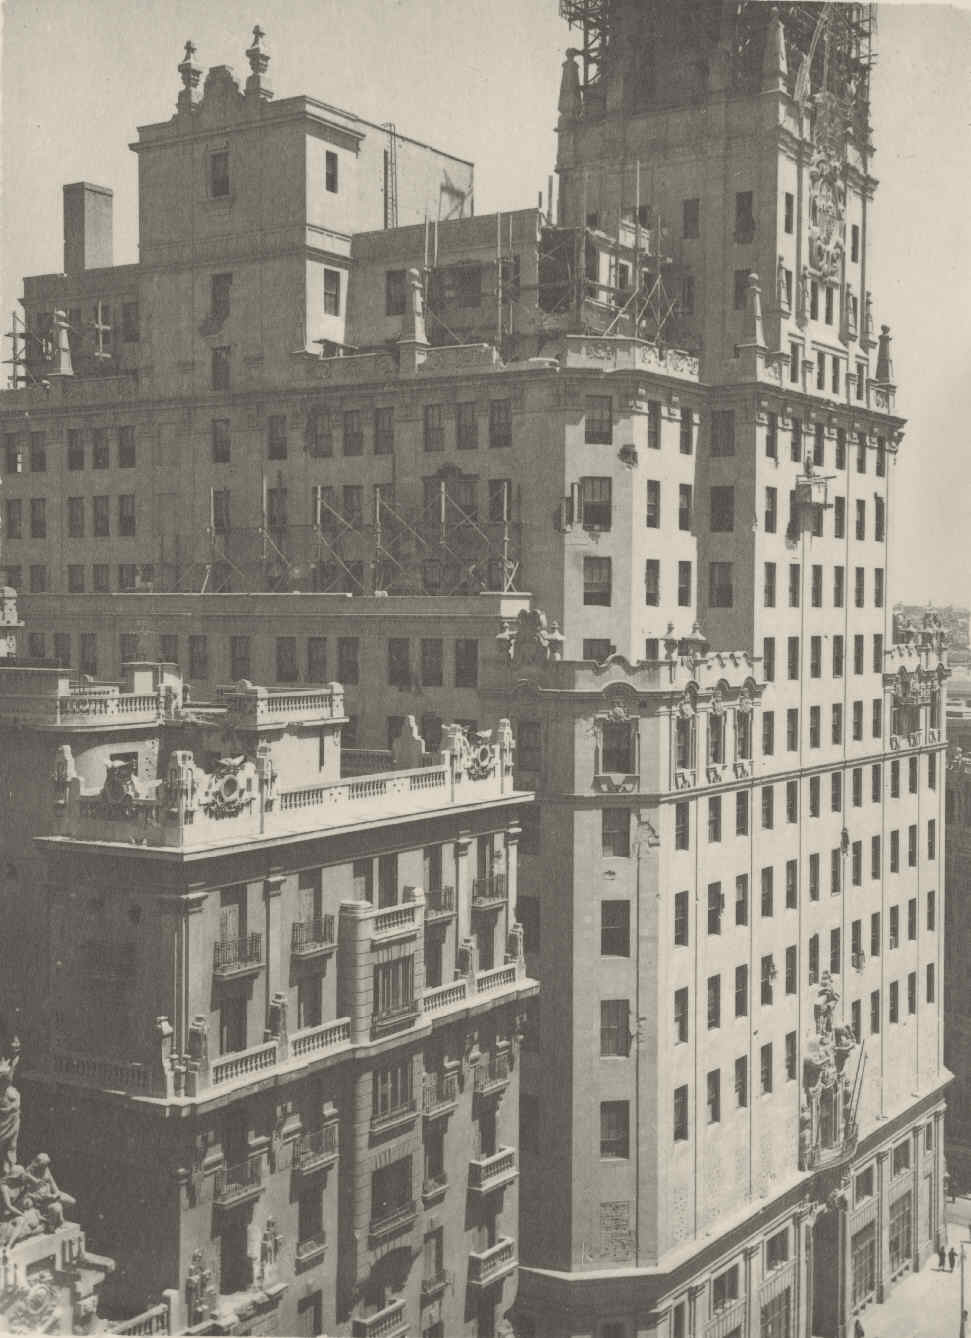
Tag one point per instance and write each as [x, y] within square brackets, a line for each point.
[88, 230]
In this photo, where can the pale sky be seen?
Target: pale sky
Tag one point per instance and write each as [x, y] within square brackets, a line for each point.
[479, 78]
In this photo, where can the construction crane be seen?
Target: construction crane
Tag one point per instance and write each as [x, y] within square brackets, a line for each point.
[391, 177]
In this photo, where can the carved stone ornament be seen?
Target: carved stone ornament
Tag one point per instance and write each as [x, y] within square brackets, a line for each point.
[64, 773]
[530, 641]
[119, 792]
[32, 1306]
[688, 705]
[230, 789]
[482, 758]
[827, 188]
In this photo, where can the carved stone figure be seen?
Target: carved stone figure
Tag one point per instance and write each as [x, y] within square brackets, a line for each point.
[9, 1111]
[530, 641]
[408, 748]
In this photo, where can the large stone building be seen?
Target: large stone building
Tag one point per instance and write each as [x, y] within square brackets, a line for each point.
[272, 1015]
[729, 883]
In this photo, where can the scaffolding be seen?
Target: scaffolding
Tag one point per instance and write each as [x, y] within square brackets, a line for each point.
[444, 547]
[842, 58]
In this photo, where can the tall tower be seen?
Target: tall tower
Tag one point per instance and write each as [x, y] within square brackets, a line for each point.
[748, 889]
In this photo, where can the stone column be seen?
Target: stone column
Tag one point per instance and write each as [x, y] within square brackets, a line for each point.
[917, 1172]
[883, 1224]
[272, 887]
[463, 889]
[354, 962]
[753, 1281]
[844, 1281]
[697, 1310]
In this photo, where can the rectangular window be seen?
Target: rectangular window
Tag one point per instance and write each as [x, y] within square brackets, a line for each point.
[766, 979]
[652, 582]
[38, 518]
[219, 368]
[652, 517]
[792, 731]
[714, 819]
[814, 790]
[330, 171]
[765, 1068]
[837, 729]
[931, 911]
[466, 662]
[126, 515]
[768, 733]
[794, 583]
[395, 292]
[596, 581]
[681, 919]
[684, 585]
[912, 992]
[744, 216]
[686, 434]
[741, 813]
[771, 510]
[615, 1037]
[684, 506]
[716, 904]
[75, 579]
[723, 432]
[721, 587]
[741, 1081]
[332, 292]
[713, 1096]
[790, 212]
[722, 508]
[500, 423]
[615, 928]
[768, 658]
[682, 829]
[772, 436]
[741, 991]
[384, 430]
[813, 958]
[348, 660]
[714, 1010]
[598, 420]
[680, 1114]
[792, 658]
[768, 891]
[741, 899]
[835, 871]
[791, 981]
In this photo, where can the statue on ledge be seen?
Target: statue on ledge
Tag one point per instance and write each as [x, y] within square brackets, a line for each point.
[9, 1105]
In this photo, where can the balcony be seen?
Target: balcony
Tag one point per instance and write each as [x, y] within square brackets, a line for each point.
[238, 1184]
[493, 1172]
[390, 1220]
[818, 1158]
[313, 938]
[489, 893]
[441, 1094]
[433, 1189]
[233, 957]
[492, 1076]
[311, 1249]
[317, 1150]
[439, 904]
[396, 922]
[391, 1322]
[432, 1288]
[492, 1265]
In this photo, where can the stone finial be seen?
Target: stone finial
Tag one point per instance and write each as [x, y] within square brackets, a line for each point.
[571, 99]
[259, 62]
[775, 66]
[191, 74]
[884, 372]
[61, 351]
[413, 340]
[753, 332]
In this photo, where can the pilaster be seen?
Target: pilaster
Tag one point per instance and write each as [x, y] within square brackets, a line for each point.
[272, 887]
[883, 1224]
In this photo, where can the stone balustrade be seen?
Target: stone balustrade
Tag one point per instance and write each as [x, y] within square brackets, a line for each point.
[157, 1319]
[243, 1063]
[488, 1173]
[316, 1040]
[487, 1266]
[250, 706]
[389, 1322]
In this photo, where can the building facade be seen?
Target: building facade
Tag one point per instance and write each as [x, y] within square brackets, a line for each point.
[287, 1004]
[663, 408]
